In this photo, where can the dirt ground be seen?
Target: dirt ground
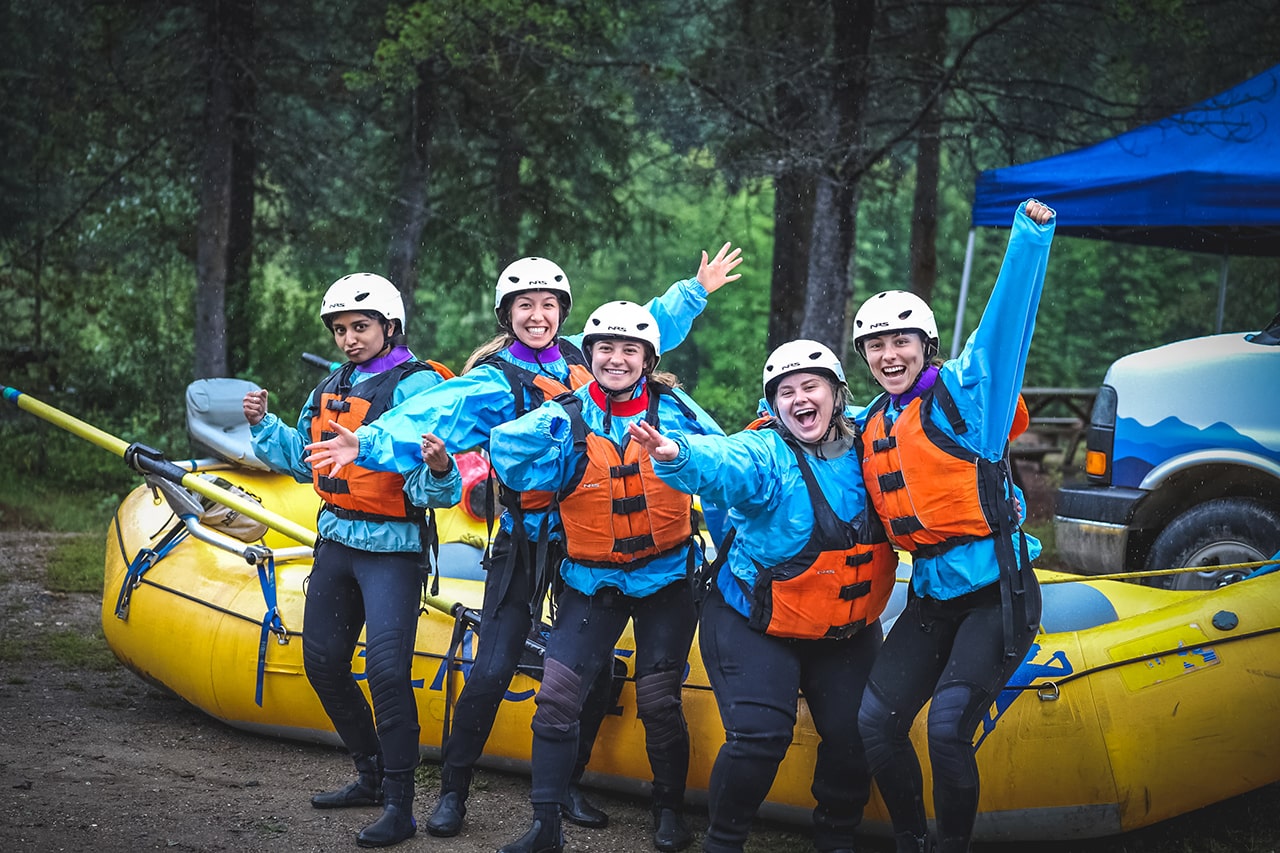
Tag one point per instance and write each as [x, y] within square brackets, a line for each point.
[94, 759]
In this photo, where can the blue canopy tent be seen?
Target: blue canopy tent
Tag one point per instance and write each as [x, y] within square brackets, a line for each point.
[1204, 180]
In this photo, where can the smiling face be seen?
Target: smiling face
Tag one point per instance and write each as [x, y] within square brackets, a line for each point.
[895, 359]
[618, 364]
[804, 403]
[359, 336]
[535, 318]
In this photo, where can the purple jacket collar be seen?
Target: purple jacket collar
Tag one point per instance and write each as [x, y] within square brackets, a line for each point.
[535, 356]
[383, 363]
[924, 382]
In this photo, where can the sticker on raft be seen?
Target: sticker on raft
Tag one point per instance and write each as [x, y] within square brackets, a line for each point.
[1056, 667]
[1175, 652]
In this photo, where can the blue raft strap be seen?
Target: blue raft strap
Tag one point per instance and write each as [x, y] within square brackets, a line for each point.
[270, 621]
[141, 562]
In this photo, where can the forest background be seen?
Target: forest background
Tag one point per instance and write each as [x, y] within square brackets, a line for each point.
[182, 180]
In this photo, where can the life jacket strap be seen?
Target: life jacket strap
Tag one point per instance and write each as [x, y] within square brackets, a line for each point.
[626, 506]
[844, 632]
[357, 515]
[633, 544]
[855, 590]
[333, 485]
[905, 525]
[880, 445]
[892, 481]
[628, 470]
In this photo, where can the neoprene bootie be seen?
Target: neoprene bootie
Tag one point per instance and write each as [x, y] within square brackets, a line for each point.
[669, 832]
[578, 809]
[366, 790]
[544, 836]
[451, 808]
[396, 823]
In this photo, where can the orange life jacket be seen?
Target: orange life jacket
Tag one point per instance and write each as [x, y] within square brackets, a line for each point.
[616, 512]
[838, 583]
[530, 390]
[938, 494]
[357, 493]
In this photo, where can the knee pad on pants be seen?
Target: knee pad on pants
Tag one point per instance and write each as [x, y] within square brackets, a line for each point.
[951, 735]
[557, 701]
[881, 727]
[658, 706]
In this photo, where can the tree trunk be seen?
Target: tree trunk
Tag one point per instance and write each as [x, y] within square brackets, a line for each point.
[409, 211]
[924, 208]
[829, 290]
[507, 194]
[228, 23]
[243, 168]
[793, 199]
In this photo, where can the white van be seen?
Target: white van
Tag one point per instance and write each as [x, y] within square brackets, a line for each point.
[1183, 462]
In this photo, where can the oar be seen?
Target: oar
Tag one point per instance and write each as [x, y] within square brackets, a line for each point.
[150, 461]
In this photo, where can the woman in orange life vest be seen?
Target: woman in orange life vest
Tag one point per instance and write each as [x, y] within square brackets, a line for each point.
[934, 448]
[513, 374]
[795, 605]
[628, 556]
[368, 561]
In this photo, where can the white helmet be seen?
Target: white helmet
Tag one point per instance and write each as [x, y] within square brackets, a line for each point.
[895, 311]
[532, 274]
[363, 291]
[802, 356]
[622, 319]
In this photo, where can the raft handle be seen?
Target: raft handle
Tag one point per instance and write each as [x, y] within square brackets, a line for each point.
[1048, 691]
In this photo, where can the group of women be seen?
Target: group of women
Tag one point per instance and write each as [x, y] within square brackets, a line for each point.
[598, 454]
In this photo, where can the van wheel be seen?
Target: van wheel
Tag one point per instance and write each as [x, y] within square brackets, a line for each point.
[1220, 532]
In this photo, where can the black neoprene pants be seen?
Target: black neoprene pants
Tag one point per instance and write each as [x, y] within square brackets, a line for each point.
[347, 589]
[757, 679]
[580, 648]
[504, 626]
[950, 652]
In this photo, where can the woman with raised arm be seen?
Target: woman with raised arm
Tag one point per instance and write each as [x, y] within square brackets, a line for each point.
[934, 458]
[629, 550]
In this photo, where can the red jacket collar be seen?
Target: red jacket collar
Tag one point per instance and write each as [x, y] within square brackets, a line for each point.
[624, 408]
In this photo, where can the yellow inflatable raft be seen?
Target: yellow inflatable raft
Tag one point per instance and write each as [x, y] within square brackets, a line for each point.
[1135, 704]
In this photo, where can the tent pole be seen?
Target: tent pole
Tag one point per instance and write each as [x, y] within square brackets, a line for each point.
[1222, 291]
[964, 295]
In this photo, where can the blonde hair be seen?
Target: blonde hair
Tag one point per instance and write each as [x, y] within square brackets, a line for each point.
[490, 347]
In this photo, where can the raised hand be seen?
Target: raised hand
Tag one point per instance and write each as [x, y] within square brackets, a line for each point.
[658, 445]
[1038, 212]
[255, 406]
[714, 274]
[335, 452]
[434, 454]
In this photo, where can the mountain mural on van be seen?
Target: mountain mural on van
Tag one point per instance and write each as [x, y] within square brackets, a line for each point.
[1140, 447]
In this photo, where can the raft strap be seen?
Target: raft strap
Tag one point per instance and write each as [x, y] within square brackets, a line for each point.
[271, 623]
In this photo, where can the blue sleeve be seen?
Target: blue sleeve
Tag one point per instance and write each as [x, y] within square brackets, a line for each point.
[534, 451]
[281, 447]
[989, 372]
[426, 490]
[675, 312]
[736, 471]
[459, 411]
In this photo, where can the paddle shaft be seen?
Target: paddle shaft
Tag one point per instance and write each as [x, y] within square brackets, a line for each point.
[146, 460]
